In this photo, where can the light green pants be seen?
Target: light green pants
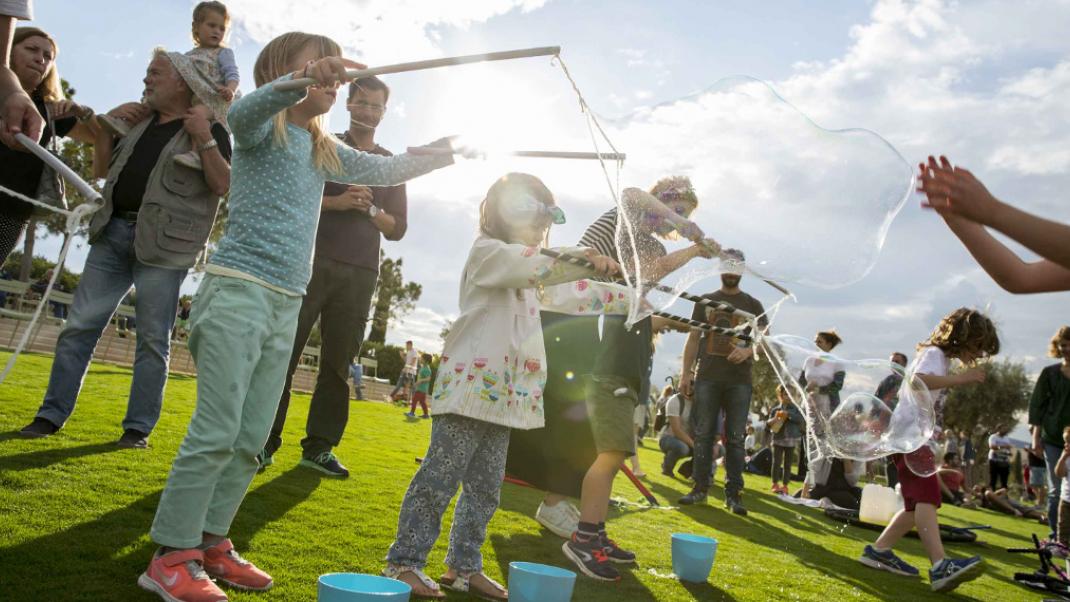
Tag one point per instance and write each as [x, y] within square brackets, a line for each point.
[241, 336]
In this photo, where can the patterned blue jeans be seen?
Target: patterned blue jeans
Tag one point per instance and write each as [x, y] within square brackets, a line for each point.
[463, 451]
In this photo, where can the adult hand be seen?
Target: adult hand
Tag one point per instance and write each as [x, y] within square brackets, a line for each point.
[197, 122]
[740, 354]
[1038, 444]
[130, 112]
[353, 198]
[686, 388]
[603, 265]
[688, 229]
[66, 108]
[331, 71]
[19, 116]
[955, 191]
[707, 248]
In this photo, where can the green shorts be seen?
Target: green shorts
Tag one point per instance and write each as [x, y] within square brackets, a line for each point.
[610, 407]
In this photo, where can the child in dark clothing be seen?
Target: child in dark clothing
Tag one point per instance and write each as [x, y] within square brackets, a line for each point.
[787, 425]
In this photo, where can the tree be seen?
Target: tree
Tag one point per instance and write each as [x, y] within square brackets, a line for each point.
[79, 156]
[445, 332]
[393, 299]
[996, 401]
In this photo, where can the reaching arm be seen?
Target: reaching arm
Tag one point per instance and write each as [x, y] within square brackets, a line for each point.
[690, 355]
[250, 116]
[959, 196]
[17, 111]
[586, 297]
[1008, 270]
[496, 264]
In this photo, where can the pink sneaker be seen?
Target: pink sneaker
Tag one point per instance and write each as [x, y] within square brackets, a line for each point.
[179, 577]
[223, 563]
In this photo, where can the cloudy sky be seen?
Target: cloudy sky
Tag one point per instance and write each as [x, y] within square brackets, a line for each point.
[984, 82]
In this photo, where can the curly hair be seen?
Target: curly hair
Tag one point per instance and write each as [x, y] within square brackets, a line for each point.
[964, 330]
[831, 336]
[1063, 334]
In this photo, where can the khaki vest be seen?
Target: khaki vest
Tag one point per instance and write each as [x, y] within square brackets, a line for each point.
[177, 211]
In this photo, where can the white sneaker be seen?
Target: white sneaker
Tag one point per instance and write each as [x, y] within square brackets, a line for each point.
[113, 125]
[189, 159]
[562, 519]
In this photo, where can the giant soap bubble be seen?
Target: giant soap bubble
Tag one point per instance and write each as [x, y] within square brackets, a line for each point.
[849, 413]
[805, 204]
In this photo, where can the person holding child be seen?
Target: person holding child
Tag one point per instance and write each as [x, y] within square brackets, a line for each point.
[155, 221]
[246, 309]
[966, 335]
[491, 379]
[1049, 406]
[213, 67]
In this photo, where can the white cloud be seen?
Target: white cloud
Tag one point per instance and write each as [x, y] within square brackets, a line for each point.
[397, 29]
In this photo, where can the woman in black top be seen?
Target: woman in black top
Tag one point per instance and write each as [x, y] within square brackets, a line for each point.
[33, 59]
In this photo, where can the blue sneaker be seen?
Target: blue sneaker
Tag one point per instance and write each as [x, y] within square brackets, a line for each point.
[887, 561]
[950, 574]
[327, 463]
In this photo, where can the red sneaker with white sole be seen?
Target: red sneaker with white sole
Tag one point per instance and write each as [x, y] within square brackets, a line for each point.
[179, 577]
[223, 562]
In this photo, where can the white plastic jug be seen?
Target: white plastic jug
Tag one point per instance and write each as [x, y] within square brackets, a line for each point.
[879, 504]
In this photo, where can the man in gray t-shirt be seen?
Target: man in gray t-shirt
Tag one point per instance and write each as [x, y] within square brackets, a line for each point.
[722, 382]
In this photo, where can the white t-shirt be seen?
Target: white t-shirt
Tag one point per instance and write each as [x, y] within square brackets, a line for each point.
[677, 406]
[934, 362]
[411, 357]
[748, 443]
[20, 9]
[1003, 454]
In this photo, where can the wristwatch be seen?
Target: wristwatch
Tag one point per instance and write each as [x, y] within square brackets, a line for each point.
[373, 211]
[207, 145]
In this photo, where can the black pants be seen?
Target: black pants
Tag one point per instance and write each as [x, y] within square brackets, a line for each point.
[997, 472]
[339, 295]
[782, 460]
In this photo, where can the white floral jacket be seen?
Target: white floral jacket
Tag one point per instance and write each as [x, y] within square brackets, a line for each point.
[493, 365]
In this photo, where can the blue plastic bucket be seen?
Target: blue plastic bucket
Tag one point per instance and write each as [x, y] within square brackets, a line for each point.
[530, 582]
[692, 556]
[355, 587]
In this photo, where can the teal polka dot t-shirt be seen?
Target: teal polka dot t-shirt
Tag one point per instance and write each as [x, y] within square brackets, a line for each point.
[276, 191]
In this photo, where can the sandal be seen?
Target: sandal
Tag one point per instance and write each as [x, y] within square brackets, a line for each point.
[431, 590]
[463, 583]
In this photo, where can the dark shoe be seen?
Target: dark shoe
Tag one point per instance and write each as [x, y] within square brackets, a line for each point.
[686, 469]
[697, 496]
[887, 561]
[38, 428]
[326, 463]
[614, 552]
[133, 439]
[264, 459]
[733, 502]
[950, 574]
[590, 558]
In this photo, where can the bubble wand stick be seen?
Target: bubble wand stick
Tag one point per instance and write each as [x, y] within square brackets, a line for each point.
[693, 324]
[304, 82]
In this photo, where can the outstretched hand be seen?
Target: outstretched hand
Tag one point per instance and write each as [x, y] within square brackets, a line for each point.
[954, 192]
[331, 71]
[603, 265]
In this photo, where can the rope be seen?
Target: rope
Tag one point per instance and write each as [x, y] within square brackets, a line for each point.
[74, 219]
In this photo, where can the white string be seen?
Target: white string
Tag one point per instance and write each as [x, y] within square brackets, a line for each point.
[74, 219]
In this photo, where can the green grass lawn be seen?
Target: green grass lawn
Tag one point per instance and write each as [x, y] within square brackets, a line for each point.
[75, 513]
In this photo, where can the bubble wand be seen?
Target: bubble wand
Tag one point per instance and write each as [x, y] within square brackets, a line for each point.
[703, 301]
[304, 82]
[693, 324]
